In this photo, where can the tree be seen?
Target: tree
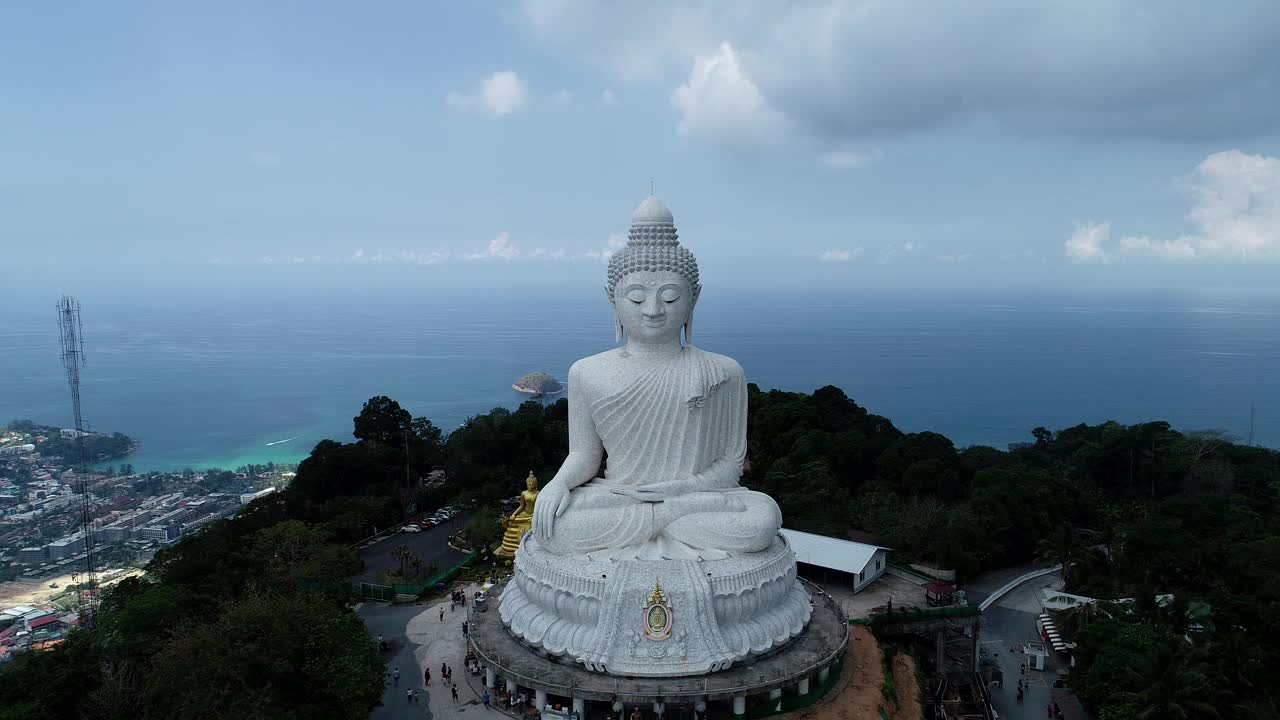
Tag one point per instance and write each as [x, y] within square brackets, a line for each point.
[1061, 548]
[1174, 681]
[1043, 436]
[484, 530]
[382, 422]
[268, 656]
[406, 557]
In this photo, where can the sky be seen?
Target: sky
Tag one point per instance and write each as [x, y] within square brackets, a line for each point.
[869, 143]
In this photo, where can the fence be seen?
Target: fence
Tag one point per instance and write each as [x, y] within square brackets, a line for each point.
[388, 593]
[910, 614]
[993, 597]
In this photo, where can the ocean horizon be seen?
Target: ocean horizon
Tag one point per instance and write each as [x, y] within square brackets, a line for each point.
[221, 383]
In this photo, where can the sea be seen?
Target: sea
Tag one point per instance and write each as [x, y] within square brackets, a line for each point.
[230, 381]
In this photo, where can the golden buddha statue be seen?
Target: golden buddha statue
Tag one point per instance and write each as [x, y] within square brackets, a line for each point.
[520, 521]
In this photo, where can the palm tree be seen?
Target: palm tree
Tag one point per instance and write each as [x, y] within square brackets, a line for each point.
[1175, 684]
[1060, 548]
[1072, 620]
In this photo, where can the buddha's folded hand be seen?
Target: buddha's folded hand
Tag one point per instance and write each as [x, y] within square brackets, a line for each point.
[639, 493]
[551, 504]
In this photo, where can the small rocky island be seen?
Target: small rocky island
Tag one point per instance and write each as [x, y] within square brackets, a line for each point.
[538, 384]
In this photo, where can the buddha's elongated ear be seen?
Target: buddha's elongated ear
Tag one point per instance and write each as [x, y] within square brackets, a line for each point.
[619, 333]
[688, 329]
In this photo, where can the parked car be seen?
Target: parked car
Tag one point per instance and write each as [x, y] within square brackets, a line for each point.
[410, 529]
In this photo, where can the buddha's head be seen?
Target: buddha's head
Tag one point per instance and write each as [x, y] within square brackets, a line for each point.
[653, 281]
[531, 483]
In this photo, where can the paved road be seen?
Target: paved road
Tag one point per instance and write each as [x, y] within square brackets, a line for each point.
[419, 639]
[430, 545]
[1011, 621]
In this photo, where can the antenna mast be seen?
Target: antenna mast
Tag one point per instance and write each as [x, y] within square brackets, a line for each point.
[1253, 412]
[72, 333]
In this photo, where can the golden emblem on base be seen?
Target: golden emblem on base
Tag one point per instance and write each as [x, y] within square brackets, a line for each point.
[658, 616]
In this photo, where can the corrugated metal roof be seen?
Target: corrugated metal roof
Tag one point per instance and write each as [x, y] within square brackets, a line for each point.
[833, 553]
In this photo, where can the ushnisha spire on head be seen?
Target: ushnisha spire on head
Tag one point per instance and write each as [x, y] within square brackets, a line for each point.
[653, 245]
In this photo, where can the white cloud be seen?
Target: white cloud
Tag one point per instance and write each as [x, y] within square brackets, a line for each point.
[549, 255]
[720, 98]
[607, 99]
[1235, 213]
[1237, 208]
[839, 255]
[954, 259]
[846, 159]
[615, 243]
[562, 98]
[500, 94]
[500, 248]
[1180, 249]
[836, 69]
[894, 250]
[262, 157]
[1085, 244]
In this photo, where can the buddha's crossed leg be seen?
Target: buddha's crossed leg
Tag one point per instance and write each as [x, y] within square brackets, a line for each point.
[706, 524]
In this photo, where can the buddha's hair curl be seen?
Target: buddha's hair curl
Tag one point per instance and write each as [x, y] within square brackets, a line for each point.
[654, 247]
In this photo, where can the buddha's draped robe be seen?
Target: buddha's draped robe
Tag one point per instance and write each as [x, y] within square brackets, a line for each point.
[681, 419]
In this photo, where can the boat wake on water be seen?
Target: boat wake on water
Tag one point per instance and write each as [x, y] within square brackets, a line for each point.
[295, 437]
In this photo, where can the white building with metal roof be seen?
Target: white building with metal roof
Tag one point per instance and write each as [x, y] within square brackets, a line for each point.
[857, 564]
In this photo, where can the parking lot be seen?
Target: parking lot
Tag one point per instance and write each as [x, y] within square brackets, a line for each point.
[431, 545]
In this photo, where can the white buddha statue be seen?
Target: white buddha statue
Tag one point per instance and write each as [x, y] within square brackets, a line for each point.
[671, 418]
[664, 566]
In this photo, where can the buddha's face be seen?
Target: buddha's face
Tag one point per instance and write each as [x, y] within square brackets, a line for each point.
[653, 306]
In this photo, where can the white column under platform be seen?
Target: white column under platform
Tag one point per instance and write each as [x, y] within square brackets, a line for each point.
[580, 707]
[617, 706]
[775, 699]
[823, 674]
[739, 705]
[511, 686]
[490, 678]
[657, 709]
[803, 687]
[540, 698]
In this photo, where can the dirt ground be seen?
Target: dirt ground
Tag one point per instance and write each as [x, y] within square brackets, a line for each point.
[38, 592]
[904, 679]
[857, 694]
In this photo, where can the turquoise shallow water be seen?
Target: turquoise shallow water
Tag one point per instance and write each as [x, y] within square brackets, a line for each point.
[202, 383]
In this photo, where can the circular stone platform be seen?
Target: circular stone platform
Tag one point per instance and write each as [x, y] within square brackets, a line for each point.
[657, 618]
[806, 657]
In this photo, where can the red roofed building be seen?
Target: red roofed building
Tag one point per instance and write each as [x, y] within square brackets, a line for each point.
[48, 622]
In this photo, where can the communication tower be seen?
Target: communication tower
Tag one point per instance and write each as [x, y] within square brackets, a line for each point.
[72, 334]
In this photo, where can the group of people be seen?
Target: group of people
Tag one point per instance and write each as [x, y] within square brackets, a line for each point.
[457, 597]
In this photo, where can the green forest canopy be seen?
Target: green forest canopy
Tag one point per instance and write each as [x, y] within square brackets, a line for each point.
[1131, 509]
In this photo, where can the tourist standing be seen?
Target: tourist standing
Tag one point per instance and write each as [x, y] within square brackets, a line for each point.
[485, 699]
[441, 613]
[408, 695]
[395, 675]
[454, 690]
[426, 677]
